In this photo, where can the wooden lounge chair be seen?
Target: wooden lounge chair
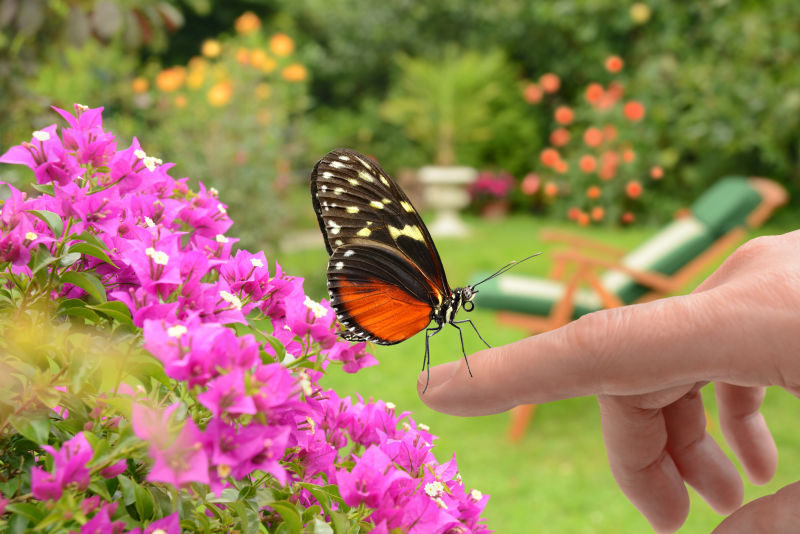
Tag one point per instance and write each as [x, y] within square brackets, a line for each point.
[588, 276]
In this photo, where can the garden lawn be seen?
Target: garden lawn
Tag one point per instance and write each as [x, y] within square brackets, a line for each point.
[556, 480]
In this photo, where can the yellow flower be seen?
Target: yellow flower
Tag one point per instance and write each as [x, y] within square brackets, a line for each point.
[171, 79]
[197, 72]
[263, 91]
[294, 72]
[220, 94]
[640, 12]
[258, 58]
[243, 55]
[247, 23]
[281, 44]
[211, 48]
[180, 101]
[139, 85]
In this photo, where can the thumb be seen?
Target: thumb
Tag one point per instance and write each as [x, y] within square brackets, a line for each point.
[622, 351]
[779, 512]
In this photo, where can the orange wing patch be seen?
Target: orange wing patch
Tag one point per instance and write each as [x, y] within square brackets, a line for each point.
[385, 311]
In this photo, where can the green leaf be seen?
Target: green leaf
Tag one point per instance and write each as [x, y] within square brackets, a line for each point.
[37, 430]
[52, 220]
[318, 526]
[86, 281]
[290, 515]
[144, 502]
[81, 311]
[128, 489]
[68, 259]
[116, 310]
[47, 189]
[91, 250]
[41, 259]
[27, 510]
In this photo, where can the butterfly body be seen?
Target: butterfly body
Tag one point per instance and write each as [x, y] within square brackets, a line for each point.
[385, 278]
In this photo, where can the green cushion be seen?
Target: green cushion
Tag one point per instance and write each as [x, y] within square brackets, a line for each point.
[527, 294]
[726, 205]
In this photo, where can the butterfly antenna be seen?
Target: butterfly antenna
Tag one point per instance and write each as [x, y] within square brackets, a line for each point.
[504, 269]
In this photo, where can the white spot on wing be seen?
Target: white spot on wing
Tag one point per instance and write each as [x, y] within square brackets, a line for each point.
[337, 164]
[377, 205]
[344, 158]
[338, 191]
[352, 209]
[339, 264]
[348, 253]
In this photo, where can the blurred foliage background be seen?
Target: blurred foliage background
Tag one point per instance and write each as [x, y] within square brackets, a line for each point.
[413, 83]
[577, 112]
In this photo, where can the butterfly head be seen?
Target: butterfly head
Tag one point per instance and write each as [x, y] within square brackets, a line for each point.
[465, 296]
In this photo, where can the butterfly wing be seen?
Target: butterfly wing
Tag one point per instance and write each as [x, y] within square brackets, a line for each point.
[354, 199]
[377, 293]
[385, 276]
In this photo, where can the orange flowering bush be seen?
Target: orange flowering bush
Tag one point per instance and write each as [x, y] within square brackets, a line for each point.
[596, 168]
[232, 115]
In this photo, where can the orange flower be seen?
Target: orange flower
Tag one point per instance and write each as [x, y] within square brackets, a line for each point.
[594, 92]
[532, 93]
[593, 137]
[263, 91]
[564, 115]
[607, 172]
[550, 82]
[260, 60]
[281, 44]
[220, 94]
[614, 64]
[616, 90]
[593, 192]
[247, 23]
[171, 79]
[139, 85]
[549, 157]
[211, 48]
[561, 166]
[598, 213]
[550, 189]
[627, 217]
[633, 110]
[633, 189]
[180, 101]
[530, 184]
[656, 172]
[573, 213]
[628, 155]
[559, 137]
[610, 158]
[583, 218]
[587, 163]
[294, 72]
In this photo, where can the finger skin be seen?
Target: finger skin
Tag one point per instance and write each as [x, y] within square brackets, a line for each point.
[699, 459]
[779, 512]
[636, 440]
[623, 351]
[746, 431]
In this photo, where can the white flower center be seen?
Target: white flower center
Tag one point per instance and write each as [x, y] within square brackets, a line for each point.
[149, 222]
[221, 238]
[158, 257]
[256, 262]
[315, 307]
[176, 331]
[41, 135]
[231, 299]
[476, 494]
[30, 236]
[434, 489]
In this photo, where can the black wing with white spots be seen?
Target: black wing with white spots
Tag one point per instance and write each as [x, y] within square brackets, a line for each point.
[357, 202]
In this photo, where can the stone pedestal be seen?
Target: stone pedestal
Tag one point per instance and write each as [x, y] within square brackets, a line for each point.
[445, 193]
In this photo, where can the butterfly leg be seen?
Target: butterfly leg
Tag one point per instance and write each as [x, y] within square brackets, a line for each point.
[474, 328]
[426, 360]
[463, 350]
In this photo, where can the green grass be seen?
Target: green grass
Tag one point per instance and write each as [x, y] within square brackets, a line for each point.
[557, 478]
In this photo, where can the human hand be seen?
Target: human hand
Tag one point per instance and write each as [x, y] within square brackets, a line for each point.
[646, 363]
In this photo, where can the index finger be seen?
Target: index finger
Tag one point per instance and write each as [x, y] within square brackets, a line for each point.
[623, 351]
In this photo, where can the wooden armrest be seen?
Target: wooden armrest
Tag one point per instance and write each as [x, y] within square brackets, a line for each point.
[773, 196]
[651, 279]
[576, 241]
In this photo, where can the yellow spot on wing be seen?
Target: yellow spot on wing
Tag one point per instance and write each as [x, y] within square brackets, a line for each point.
[377, 205]
[364, 232]
[367, 177]
[352, 209]
[407, 206]
[408, 230]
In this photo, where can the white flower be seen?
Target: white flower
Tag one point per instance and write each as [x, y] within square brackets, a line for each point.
[81, 107]
[151, 162]
[139, 153]
[213, 192]
[30, 236]
[434, 489]
[41, 135]
[305, 385]
[390, 406]
[311, 423]
[221, 239]
[158, 257]
[149, 222]
[440, 502]
[423, 427]
[231, 299]
[176, 331]
[222, 209]
[315, 307]
[476, 494]
[256, 262]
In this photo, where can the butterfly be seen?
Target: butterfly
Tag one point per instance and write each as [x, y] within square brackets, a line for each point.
[385, 278]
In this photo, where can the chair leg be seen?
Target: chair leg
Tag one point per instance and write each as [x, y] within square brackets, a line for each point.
[521, 416]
